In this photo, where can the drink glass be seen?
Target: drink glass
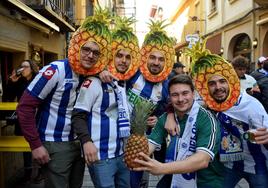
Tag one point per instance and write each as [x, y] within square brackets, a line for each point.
[250, 134]
[19, 71]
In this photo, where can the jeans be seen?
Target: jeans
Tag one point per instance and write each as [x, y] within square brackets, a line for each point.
[232, 177]
[110, 173]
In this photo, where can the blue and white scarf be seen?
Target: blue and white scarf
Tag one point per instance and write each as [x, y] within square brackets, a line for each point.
[180, 149]
[123, 112]
[235, 121]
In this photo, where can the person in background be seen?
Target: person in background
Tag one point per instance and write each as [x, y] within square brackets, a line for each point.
[177, 69]
[260, 62]
[261, 75]
[247, 82]
[17, 83]
[1, 87]
[44, 111]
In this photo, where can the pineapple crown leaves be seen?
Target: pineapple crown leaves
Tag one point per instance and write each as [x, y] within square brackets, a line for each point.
[157, 34]
[98, 23]
[123, 29]
[201, 57]
[141, 112]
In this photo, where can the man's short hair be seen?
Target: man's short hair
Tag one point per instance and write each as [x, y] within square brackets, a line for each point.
[181, 79]
[240, 61]
[178, 65]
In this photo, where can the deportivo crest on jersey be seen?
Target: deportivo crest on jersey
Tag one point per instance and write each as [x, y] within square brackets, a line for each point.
[49, 73]
[87, 83]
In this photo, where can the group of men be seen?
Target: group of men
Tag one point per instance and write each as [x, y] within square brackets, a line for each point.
[228, 143]
[69, 96]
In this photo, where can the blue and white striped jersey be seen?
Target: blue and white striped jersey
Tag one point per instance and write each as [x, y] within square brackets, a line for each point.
[56, 86]
[99, 101]
[139, 88]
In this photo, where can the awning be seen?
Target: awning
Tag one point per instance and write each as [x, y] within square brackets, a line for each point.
[214, 44]
[50, 14]
[180, 45]
[35, 14]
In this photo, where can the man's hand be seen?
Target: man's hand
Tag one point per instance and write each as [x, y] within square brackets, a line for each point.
[107, 77]
[261, 136]
[90, 152]
[151, 121]
[148, 164]
[41, 155]
[171, 125]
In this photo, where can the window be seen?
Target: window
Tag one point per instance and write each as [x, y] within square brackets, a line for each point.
[213, 6]
[242, 46]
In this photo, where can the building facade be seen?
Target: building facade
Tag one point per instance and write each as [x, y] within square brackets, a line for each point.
[37, 30]
[237, 27]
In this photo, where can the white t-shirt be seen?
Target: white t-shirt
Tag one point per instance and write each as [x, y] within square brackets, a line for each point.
[249, 82]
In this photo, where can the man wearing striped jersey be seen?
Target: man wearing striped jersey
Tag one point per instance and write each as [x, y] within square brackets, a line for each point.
[96, 122]
[53, 93]
[139, 88]
[243, 157]
[190, 154]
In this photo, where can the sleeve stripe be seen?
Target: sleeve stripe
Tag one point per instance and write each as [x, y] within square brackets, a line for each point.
[212, 139]
[210, 153]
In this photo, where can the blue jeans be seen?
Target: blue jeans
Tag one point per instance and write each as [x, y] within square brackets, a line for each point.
[232, 177]
[110, 173]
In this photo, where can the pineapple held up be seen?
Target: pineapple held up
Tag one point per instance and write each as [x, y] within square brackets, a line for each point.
[123, 39]
[137, 142]
[94, 29]
[204, 66]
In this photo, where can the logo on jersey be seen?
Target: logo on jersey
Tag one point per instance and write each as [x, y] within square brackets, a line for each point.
[49, 73]
[86, 83]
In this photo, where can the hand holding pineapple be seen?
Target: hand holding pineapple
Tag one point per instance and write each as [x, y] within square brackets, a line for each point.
[148, 164]
[137, 142]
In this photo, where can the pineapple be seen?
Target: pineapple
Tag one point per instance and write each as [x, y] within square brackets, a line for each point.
[123, 38]
[137, 142]
[204, 65]
[94, 28]
[157, 40]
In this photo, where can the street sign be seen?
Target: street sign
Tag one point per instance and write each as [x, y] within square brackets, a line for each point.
[192, 39]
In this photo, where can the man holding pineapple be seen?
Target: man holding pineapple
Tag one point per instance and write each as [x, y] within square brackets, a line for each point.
[193, 149]
[52, 95]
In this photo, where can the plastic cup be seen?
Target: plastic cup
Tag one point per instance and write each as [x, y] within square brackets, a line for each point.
[250, 135]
